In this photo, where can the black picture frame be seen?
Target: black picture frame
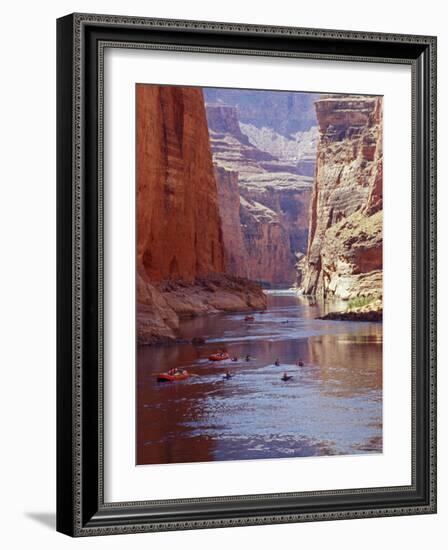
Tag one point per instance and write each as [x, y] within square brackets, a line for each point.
[81, 510]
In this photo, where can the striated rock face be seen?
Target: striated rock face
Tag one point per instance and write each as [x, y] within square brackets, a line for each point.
[287, 199]
[223, 119]
[229, 205]
[179, 234]
[231, 148]
[273, 202]
[256, 241]
[344, 256]
[299, 149]
[269, 256]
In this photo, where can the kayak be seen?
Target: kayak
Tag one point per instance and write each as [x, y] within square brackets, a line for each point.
[165, 377]
[218, 356]
[249, 318]
[286, 378]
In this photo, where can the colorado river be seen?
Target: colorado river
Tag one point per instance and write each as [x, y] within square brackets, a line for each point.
[332, 405]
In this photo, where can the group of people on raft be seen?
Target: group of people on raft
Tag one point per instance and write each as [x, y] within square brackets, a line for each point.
[176, 371]
[220, 355]
[228, 375]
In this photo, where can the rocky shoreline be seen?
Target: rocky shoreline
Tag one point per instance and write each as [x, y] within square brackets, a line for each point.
[370, 312]
[368, 316]
[162, 305]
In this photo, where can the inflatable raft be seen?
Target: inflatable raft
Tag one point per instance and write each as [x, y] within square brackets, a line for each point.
[166, 377]
[219, 357]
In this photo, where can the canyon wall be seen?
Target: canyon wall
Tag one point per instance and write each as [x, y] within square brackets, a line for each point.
[344, 256]
[273, 201]
[178, 231]
[181, 260]
[230, 204]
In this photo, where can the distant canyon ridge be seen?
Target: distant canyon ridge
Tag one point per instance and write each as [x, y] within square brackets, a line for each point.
[264, 147]
[237, 188]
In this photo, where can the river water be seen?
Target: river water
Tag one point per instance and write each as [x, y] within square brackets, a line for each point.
[331, 406]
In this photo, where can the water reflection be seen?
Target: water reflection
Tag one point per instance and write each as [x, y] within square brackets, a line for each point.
[332, 405]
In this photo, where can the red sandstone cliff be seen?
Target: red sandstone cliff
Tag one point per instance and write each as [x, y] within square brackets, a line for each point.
[180, 246]
[344, 256]
[233, 236]
[179, 235]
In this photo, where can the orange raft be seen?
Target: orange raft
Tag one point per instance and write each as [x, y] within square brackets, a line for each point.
[167, 377]
[219, 356]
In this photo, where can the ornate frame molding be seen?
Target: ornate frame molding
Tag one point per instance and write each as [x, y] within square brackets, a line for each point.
[82, 39]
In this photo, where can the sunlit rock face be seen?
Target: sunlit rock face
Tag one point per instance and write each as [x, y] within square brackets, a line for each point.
[273, 199]
[344, 256]
[297, 151]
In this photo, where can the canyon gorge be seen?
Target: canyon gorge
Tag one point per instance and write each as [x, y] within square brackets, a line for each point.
[239, 190]
[258, 230]
[268, 174]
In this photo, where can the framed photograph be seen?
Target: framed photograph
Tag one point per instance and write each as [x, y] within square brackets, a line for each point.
[246, 274]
